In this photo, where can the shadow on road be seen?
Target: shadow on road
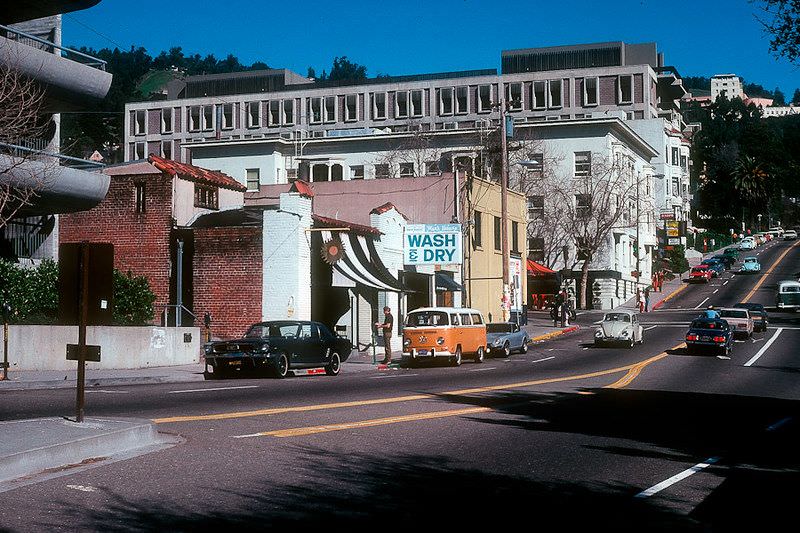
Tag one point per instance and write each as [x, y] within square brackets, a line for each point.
[352, 490]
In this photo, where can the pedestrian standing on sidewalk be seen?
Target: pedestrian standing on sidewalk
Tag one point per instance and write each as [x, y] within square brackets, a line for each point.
[647, 300]
[386, 326]
[640, 299]
[660, 280]
[655, 281]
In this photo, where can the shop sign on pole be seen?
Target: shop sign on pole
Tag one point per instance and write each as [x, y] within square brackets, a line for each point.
[432, 244]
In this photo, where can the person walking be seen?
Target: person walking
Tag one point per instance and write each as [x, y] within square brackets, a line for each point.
[660, 280]
[647, 299]
[386, 327]
[640, 299]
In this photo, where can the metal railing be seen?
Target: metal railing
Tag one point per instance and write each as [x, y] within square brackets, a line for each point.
[178, 315]
[17, 150]
[28, 39]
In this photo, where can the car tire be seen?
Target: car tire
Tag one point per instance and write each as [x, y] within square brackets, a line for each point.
[480, 355]
[281, 368]
[456, 359]
[524, 348]
[631, 343]
[333, 368]
[506, 351]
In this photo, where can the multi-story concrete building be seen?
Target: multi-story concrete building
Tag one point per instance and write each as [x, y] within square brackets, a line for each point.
[30, 49]
[728, 84]
[272, 127]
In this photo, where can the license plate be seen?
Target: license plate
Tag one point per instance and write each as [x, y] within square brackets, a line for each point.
[234, 363]
[422, 352]
[705, 338]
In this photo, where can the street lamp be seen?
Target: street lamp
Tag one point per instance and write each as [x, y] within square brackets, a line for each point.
[759, 221]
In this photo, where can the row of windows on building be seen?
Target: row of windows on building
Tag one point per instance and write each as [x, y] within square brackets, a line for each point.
[404, 104]
[477, 232]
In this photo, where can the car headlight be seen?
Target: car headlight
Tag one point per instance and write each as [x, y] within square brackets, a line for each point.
[263, 348]
[497, 342]
[406, 341]
[440, 341]
[625, 333]
[208, 349]
[598, 333]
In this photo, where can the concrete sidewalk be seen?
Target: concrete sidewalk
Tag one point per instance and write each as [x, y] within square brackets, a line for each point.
[43, 448]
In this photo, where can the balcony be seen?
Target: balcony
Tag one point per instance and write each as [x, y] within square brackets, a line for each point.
[72, 79]
[62, 184]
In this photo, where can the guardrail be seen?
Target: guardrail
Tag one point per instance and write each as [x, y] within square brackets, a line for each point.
[17, 150]
[28, 39]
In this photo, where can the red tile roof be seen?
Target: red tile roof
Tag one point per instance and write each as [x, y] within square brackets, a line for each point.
[303, 187]
[388, 206]
[336, 223]
[197, 174]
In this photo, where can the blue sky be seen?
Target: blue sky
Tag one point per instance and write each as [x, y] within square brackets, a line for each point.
[703, 37]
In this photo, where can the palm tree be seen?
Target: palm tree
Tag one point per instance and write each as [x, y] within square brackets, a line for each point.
[750, 181]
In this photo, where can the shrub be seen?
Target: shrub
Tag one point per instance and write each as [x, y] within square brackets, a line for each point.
[133, 299]
[33, 295]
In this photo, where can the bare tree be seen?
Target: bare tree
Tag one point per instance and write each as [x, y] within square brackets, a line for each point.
[597, 201]
[23, 132]
[414, 155]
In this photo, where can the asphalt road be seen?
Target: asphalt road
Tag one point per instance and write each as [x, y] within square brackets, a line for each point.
[566, 435]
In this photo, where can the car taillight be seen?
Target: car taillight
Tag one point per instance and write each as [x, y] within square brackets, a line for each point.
[719, 339]
[691, 337]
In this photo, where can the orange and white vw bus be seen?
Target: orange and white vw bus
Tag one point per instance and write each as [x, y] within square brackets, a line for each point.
[431, 333]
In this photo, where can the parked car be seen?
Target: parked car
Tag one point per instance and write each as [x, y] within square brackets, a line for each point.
[709, 334]
[739, 320]
[700, 273]
[505, 337]
[789, 235]
[750, 265]
[776, 231]
[758, 313]
[444, 333]
[726, 260]
[619, 327]
[748, 243]
[788, 295]
[279, 346]
[732, 252]
[716, 267]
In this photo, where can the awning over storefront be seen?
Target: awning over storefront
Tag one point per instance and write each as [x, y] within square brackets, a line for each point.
[535, 269]
[360, 261]
[446, 283]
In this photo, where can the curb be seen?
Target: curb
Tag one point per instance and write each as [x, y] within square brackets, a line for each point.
[95, 440]
[96, 382]
[669, 296]
[548, 336]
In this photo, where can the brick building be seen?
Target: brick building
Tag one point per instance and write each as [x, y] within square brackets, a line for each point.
[146, 215]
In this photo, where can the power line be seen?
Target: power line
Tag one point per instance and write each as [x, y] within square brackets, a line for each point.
[107, 38]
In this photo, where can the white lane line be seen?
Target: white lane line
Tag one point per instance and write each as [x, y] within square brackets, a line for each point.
[701, 303]
[764, 348]
[540, 360]
[777, 425]
[726, 282]
[212, 389]
[108, 391]
[483, 369]
[389, 376]
[677, 478]
[715, 291]
[651, 327]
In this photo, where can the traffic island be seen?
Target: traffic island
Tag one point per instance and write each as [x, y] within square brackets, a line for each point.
[37, 449]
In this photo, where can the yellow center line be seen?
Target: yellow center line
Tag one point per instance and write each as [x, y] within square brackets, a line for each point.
[299, 432]
[399, 399]
[768, 272]
[636, 369]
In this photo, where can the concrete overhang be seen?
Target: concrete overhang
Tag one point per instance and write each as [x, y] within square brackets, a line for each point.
[58, 189]
[69, 85]
[22, 11]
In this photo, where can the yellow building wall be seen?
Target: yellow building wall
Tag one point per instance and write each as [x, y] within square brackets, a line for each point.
[483, 275]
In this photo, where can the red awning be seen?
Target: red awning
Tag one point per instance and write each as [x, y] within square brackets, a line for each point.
[535, 269]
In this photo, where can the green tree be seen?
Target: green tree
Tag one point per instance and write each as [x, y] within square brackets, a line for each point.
[778, 98]
[781, 20]
[133, 299]
[344, 69]
[796, 97]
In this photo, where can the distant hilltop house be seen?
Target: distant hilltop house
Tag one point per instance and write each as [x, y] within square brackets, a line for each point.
[731, 86]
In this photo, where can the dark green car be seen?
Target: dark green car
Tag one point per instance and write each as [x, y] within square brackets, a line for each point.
[733, 252]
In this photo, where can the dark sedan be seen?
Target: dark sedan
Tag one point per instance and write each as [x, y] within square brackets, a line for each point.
[727, 260]
[279, 347]
[709, 334]
[759, 314]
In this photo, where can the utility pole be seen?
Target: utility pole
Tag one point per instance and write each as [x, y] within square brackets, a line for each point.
[504, 205]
